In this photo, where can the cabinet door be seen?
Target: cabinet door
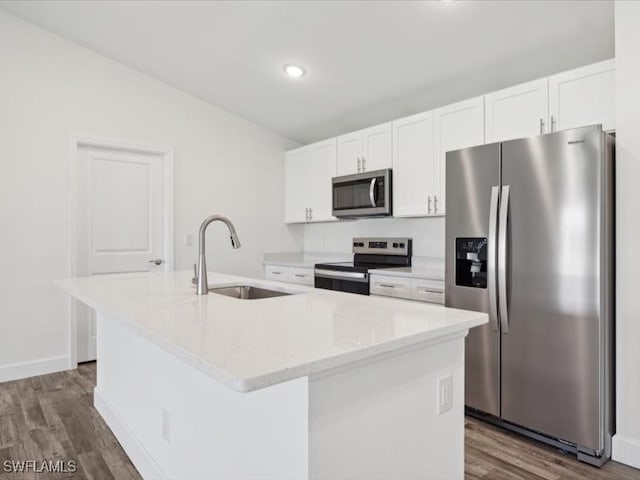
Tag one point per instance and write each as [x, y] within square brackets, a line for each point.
[584, 96]
[517, 112]
[295, 175]
[457, 126]
[376, 147]
[349, 153]
[413, 166]
[321, 169]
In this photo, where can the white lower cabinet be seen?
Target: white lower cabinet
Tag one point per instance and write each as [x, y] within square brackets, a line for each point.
[390, 286]
[299, 275]
[422, 290]
[427, 290]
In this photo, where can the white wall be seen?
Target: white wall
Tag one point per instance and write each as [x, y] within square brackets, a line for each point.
[49, 89]
[427, 234]
[626, 445]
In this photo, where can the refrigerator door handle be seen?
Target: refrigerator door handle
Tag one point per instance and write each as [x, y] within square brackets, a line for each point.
[491, 259]
[502, 259]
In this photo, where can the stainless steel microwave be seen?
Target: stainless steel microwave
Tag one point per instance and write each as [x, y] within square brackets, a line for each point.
[365, 194]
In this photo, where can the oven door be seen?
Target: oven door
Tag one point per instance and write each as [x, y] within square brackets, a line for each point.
[351, 282]
[363, 194]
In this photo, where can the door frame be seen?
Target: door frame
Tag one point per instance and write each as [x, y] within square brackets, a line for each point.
[166, 155]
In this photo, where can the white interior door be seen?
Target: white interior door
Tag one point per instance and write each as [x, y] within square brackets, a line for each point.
[120, 222]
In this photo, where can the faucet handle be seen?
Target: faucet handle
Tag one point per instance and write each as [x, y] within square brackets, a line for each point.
[194, 280]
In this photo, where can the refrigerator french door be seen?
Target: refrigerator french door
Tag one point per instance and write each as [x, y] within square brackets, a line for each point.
[529, 240]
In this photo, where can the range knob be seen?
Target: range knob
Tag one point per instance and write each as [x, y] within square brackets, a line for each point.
[395, 245]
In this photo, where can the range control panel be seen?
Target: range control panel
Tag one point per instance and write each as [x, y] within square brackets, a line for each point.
[382, 246]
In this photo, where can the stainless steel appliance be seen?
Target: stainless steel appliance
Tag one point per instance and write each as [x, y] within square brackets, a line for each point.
[369, 253]
[365, 194]
[529, 239]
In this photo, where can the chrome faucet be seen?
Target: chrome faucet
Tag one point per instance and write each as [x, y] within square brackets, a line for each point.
[201, 271]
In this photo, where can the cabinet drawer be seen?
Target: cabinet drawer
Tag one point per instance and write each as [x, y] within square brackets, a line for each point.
[302, 276]
[390, 286]
[427, 291]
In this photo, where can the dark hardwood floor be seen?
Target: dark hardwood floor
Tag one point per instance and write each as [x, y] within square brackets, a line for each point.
[51, 417]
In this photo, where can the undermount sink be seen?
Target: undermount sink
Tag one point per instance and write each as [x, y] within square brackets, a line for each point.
[247, 292]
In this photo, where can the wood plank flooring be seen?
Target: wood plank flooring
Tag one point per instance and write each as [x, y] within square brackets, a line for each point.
[51, 417]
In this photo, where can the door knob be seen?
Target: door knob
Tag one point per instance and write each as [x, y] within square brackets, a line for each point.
[157, 261]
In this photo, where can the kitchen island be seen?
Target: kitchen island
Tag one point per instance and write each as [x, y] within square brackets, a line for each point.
[312, 385]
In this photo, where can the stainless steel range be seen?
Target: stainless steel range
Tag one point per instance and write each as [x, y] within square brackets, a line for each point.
[369, 254]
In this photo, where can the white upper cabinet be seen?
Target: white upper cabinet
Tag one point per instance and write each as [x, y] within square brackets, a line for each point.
[413, 166]
[376, 148]
[456, 126]
[365, 150]
[295, 165]
[584, 96]
[308, 173]
[416, 146]
[350, 153]
[517, 112]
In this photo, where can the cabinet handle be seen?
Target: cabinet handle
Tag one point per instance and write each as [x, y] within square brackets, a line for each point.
[386, 285]
[435, 204]
[359, 165]
[364, 168]
[277, 273]
[541, 126]
[553, 124]
[299, 275]
[429, 204]
[427, 290]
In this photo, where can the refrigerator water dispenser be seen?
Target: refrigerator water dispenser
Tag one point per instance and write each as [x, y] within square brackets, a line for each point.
[471, 262]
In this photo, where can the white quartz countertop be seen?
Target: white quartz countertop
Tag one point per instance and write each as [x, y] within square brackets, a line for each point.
[304, 260]
[251, 344]
[412, 272]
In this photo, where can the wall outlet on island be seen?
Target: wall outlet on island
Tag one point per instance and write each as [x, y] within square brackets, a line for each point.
[166, 426]
[445, 394]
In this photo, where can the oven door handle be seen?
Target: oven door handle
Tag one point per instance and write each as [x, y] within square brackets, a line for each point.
[372, 192]
[351, 276]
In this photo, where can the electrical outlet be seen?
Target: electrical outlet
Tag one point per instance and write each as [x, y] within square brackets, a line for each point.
[166, 426]
[445, 394]
[188, 239]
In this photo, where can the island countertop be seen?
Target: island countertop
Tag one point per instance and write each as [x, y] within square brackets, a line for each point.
[252, 344]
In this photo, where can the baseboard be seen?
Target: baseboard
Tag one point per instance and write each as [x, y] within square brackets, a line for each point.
[143, 461]
[43, 366]
[626, 450]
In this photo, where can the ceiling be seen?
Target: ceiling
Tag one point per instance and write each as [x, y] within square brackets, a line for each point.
[367, 62]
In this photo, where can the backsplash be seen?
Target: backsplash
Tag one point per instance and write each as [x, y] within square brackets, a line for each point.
[335, 237]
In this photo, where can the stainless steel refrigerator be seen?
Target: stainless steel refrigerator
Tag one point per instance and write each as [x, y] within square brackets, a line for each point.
[529, 240]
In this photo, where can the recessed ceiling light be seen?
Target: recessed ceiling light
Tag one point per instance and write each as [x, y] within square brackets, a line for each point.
[294, 71]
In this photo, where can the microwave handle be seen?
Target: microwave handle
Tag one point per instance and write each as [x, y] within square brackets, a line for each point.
[372, 192]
